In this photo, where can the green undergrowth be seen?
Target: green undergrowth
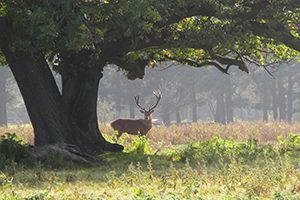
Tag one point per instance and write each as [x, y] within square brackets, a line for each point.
[212, 169]
[14, 150]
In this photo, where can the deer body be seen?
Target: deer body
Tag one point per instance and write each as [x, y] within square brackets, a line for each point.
[132, 126]
[136, 126]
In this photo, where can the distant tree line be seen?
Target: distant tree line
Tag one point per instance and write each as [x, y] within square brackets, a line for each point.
[191, 94]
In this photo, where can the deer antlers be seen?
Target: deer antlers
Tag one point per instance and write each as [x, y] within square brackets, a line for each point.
[137, 99]
[157, 94]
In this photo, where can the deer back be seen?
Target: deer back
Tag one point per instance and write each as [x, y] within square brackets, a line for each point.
[132, 126]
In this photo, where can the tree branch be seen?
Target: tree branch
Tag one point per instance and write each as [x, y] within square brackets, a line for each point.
[229, 61]
[285, 36]
[201, 64]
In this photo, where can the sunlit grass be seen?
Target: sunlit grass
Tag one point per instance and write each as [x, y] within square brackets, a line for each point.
[147, 180]
[172, 164]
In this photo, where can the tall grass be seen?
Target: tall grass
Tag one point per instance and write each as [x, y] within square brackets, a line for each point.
[161, 136]
[25, 131]
[243, 160]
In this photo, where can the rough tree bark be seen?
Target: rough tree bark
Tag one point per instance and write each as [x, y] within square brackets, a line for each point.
[68, 118]
[41, 96]
[79, 96]
[38, 88]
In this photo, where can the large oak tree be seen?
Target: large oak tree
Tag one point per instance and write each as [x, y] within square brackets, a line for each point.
[79, 37]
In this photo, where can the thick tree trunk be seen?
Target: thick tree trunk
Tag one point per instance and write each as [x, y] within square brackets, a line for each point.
[38, 89]
[3, 98]
[41, 95]
[79, 95]
[72, 120]
[80, 100]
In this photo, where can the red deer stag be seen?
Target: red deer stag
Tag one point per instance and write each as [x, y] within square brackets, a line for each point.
[136, 126]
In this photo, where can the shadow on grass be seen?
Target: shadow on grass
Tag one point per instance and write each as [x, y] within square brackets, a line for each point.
[113, 166]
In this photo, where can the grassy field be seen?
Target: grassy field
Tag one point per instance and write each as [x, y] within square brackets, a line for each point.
[244, 160]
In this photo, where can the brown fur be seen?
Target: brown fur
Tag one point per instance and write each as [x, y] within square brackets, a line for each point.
[136, 126]
[132, 126]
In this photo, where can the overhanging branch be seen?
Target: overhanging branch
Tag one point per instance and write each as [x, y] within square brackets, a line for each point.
[228, 61]
[267, 65]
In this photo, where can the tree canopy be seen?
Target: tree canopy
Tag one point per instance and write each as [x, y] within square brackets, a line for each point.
[132, 34]
[79, 37]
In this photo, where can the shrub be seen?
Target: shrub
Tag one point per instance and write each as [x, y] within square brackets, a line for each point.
[218, 151]
[284, 196]
[13, 149]
[37, 196]
[290, 147]
[291, 144]
[252, 151]
[140, 145]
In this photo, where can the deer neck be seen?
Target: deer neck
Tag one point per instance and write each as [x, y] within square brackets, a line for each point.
[148, 121]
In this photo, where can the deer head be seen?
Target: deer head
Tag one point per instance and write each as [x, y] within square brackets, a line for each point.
[148, 112]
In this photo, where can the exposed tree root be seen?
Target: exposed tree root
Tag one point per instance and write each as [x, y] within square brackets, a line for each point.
[69, 153]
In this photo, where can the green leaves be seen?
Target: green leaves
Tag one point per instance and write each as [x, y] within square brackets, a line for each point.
[155, 31]
[3, 9]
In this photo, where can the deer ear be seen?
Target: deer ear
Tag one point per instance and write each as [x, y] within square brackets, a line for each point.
[142, 111]
[152, 111]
